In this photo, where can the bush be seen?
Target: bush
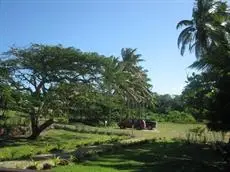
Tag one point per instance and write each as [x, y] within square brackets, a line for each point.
[173, 116]
[47, 166]
[180, 117]
[157, 117]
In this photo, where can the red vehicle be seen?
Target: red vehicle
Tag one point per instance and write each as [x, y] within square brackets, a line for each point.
[137, 124]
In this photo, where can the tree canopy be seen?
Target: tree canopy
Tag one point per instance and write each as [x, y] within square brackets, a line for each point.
[53, 81]
[208, 33]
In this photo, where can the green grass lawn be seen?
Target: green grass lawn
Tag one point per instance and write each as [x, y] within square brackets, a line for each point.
[163, 155]
[164, 130]
[68, 140]
[157, 156]
[167, 131]
[54, 139]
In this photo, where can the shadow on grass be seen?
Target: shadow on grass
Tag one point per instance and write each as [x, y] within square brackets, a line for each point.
[161, 156]
[12, 141]
[42, 141]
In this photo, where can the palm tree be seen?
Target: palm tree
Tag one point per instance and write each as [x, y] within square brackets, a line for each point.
[130, 59]
[205, 29]
[126, 77]
[208, 34]
[138, 82]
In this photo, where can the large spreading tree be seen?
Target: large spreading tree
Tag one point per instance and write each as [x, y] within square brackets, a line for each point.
[37, 71]
[51, 81]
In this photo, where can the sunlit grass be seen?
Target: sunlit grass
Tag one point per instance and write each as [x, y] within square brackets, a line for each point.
[52, 140]
[78, 135]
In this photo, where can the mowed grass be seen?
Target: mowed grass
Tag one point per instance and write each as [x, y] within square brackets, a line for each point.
[166, 154]
[51, 140]
[65, 140]
[163, 155]
[167, 131]
[157, 156]
[163, 130]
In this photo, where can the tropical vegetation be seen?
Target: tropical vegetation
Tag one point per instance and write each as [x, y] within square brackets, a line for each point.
[208, 93]
[61, 100]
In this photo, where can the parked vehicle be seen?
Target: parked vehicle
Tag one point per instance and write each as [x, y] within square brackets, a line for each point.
[151, 125]
[137, 124]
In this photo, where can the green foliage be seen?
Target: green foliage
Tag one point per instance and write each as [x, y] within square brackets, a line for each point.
[36, 73]
[122, 90]
[205, 29]
[47, 166]
[208, 33]
[180, 117]
[166, 103]
[163, 103]
[56, 160]
[14, 119]
[73, 158]
[5, 92]
[34, 165]
[54, 82]
[173, 116]
[198, 94]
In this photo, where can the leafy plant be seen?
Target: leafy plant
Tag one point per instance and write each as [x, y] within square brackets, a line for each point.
[33, 165]
[56, 160]
[74, 158]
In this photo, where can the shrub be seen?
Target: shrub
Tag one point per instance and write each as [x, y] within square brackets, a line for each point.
[157, 117]
[56, 160]
[63, 162]
[47, 166]
[173, 116]
[73, 158]
[180, 117]
[33, 166]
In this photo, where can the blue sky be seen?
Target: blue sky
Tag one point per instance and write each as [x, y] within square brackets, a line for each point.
[105, 26]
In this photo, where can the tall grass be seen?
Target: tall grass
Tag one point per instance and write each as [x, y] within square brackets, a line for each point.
[203, 135]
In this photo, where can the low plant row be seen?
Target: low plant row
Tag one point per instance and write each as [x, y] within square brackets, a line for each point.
[28, 152]
[89, 130]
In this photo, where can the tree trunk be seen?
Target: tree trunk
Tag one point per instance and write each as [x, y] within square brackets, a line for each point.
[34, 125]
[36, 129]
